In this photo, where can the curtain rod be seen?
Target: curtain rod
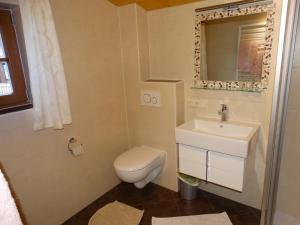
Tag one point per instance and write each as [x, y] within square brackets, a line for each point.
[229, 5]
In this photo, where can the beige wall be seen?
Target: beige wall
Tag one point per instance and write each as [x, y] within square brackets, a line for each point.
[148, 125]
[171, 44]
[51, 184]
[289, 183]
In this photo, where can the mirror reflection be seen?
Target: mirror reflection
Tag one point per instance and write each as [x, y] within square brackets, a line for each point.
[233, 48]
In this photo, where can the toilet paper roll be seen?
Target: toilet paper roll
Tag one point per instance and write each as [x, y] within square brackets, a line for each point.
[76, 149]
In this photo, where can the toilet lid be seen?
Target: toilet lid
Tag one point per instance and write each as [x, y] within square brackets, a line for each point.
[137, 158]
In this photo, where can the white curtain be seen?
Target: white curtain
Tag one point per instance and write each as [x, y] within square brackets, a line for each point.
[47, 77]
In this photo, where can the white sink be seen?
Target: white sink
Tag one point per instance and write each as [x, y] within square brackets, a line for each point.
[232, 138]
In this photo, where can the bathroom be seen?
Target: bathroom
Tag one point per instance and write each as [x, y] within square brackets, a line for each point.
[129, 77]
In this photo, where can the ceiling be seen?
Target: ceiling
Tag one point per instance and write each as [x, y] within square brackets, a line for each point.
[153, 4]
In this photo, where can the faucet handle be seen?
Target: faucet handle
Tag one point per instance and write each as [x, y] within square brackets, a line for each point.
[222, 112]
[223, 107]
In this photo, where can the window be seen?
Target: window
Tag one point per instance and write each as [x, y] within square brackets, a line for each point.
[13, 90]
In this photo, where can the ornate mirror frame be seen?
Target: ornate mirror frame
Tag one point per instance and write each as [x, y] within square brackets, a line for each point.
[232, 12]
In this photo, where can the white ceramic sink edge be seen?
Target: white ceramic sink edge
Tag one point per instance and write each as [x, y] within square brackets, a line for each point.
[232, 138]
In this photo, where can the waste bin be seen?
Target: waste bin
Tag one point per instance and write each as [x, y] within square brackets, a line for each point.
[188, 186]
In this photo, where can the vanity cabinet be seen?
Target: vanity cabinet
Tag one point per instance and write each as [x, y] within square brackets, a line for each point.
[211, 166]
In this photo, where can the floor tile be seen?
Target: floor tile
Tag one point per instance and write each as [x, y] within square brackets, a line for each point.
[157, 201]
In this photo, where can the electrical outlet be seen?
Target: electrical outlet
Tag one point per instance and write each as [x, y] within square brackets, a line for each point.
[197, 103]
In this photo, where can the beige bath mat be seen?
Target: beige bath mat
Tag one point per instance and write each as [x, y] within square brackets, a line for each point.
[211, 219]
[116, 213]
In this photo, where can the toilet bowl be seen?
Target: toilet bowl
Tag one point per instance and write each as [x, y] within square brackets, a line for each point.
[139, 165]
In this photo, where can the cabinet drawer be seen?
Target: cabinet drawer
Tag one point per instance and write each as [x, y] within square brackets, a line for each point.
[226, 163]
[192, 161]
[230, 180]
[192, 154]
[192, 169]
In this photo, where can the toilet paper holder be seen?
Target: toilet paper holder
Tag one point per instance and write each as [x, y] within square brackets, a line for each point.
[71, 141]
[75, 147]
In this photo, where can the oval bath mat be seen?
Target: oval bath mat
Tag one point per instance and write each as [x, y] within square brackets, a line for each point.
[116, 213]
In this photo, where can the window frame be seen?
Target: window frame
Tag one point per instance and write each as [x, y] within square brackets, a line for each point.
[20, 99]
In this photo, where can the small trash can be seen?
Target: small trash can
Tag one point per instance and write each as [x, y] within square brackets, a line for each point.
[188, 186]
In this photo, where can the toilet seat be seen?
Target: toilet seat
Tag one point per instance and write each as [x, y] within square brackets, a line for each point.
[137, 158]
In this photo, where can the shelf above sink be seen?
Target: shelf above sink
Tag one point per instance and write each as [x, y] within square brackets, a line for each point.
[232, 138]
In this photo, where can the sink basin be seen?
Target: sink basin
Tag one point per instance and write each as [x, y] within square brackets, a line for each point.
[232, 138]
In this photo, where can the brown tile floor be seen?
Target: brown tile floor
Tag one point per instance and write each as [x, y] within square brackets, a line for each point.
[161, 202]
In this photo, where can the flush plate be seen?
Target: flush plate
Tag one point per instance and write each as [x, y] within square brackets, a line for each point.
[150, 98]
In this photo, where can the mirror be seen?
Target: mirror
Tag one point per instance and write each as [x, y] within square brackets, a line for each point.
[233, 48]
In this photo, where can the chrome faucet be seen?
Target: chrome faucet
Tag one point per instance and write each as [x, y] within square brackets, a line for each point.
[223, 112]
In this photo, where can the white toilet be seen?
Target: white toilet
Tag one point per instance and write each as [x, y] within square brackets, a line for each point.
[139, 165]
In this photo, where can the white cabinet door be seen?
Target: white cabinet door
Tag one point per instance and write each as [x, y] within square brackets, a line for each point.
[226, 170]
[217, 168]
[192, 161]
